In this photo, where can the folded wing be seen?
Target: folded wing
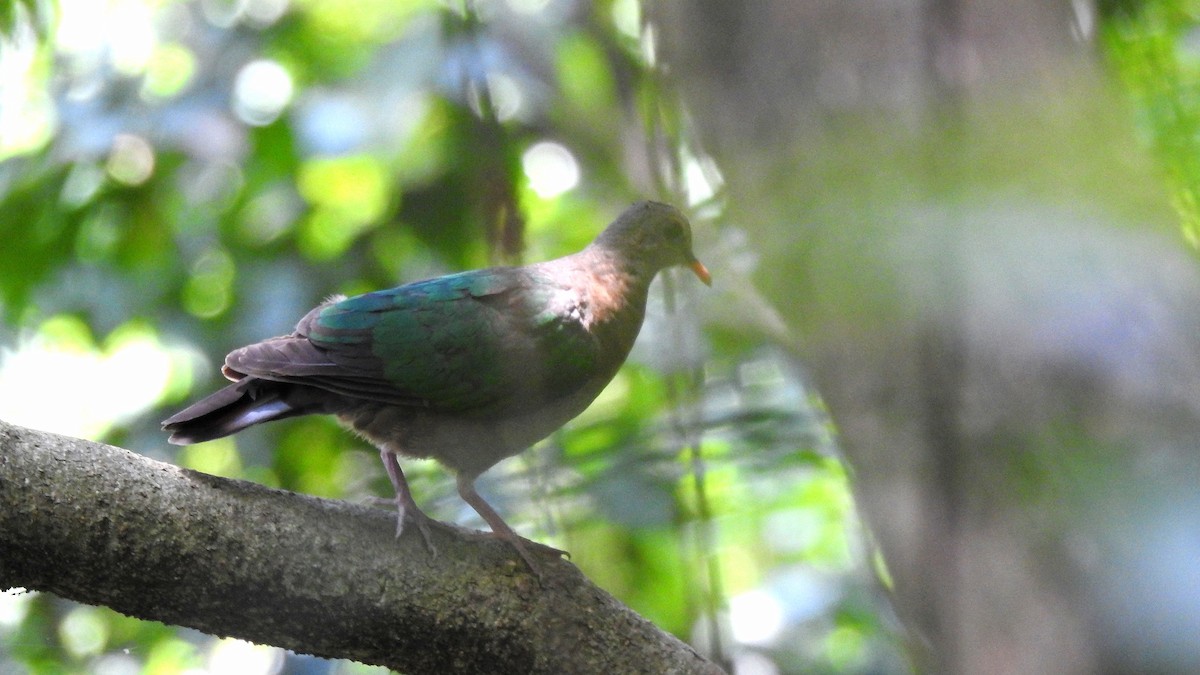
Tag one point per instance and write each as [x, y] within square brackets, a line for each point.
[477, 340]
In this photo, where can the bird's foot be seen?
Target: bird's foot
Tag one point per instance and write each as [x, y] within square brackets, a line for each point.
[524, 547]
[543, 549]
[404, 500]
[380, 502]
[407, 510]
[422, 522]
[500, 529]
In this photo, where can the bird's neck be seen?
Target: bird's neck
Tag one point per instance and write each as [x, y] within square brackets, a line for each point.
[615, 293]
[610, 263]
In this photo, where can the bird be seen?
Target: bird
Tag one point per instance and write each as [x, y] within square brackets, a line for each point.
[468, 368]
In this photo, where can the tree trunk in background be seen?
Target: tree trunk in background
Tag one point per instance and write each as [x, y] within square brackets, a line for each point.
[955, 218]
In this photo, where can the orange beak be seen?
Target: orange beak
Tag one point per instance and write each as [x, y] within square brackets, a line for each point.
[701, 272]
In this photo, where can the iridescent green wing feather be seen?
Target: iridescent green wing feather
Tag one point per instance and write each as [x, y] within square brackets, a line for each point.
[472, 340]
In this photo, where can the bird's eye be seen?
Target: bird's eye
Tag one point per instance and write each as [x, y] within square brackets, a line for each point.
[674, 230]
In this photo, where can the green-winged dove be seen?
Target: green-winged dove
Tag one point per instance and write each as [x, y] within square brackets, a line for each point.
[467, 368]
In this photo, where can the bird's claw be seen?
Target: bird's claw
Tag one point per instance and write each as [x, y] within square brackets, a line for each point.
[404, 510]
[545, 550]
[380, 502]
[525, 547]
[422, 522]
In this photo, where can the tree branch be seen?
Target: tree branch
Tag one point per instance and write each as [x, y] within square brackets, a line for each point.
[105, 526]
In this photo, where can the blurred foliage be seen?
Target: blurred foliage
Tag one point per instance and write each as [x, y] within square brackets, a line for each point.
[180, 178]
[1155, 47]
[37, 15]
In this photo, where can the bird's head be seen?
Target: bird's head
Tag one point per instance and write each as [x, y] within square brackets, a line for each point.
[653, 236]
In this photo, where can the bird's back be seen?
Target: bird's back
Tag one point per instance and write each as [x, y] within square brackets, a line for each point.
[502, 356]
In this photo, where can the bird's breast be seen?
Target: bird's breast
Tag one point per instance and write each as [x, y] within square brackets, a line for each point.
[469, 441]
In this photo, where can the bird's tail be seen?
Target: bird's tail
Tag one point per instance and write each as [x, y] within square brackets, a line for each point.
[227, 411]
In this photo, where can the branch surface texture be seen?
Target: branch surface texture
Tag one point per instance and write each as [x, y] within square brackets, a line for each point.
[105, 526]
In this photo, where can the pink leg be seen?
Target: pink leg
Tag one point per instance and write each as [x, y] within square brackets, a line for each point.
[405, 506]
[466, 489]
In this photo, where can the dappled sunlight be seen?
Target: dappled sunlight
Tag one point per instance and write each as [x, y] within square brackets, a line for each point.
[27, 114]
[359, 22]
[60, 380]
[120, 32]
[194, 175]
[348, 194]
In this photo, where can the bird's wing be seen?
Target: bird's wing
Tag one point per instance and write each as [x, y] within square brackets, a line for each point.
[466, 341]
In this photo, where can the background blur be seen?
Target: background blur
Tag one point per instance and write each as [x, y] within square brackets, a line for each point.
[952, 282]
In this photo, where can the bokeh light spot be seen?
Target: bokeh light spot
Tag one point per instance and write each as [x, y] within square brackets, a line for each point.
[756, 617]
[131, 160]
[269, 215]
[261, 91]
[209, 290]
[551, 169]
[83, 631]
[130, 35]
[171, 69]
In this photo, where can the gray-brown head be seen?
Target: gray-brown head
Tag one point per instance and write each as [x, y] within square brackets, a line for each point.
[650, 236]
